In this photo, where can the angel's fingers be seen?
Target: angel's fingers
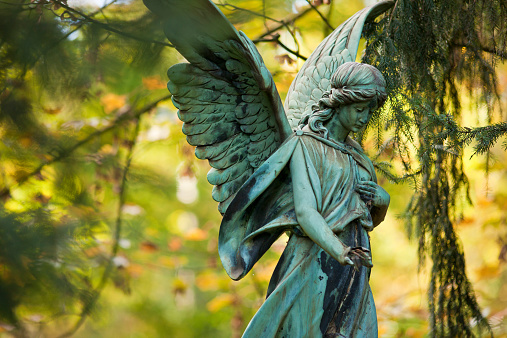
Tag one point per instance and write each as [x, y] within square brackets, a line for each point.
[366, 186]
[368, 263]
[349, 261]
[366, 191]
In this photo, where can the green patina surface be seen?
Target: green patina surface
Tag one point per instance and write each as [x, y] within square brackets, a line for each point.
[285, 169]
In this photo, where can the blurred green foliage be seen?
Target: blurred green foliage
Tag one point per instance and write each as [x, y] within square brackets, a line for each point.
[107, 215]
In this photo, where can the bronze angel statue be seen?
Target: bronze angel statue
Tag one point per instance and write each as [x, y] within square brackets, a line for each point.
[285, 168]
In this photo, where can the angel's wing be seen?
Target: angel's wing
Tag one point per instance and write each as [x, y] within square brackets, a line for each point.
[339, 47]
[226, 96]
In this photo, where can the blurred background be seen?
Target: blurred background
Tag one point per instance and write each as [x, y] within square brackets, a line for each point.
[107, 225]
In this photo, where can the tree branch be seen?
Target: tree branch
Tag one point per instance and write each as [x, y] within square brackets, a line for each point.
[284, 22]
[116, 239]
[236, 8]
[482, 47]
[112, 29]
[120, 120]
[277, 40]
[320, 14]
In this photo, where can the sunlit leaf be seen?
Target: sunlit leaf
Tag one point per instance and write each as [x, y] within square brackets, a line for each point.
[219, 302]
[196, 234]
[148, 246]
[153, 82]
[179, 286]
[113, 102]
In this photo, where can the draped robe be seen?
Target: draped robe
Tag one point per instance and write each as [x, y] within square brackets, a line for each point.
[310, 293]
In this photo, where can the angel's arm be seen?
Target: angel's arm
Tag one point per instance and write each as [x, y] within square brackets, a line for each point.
[310, 220]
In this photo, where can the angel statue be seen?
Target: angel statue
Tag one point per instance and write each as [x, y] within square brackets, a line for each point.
[291, 168]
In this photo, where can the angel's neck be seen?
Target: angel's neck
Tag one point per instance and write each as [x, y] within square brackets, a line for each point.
[336, 130]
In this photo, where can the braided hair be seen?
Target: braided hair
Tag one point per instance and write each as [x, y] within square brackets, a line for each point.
[351, 83]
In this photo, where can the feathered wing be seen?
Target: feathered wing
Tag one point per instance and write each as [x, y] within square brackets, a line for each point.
[226, 97]
[339, 47]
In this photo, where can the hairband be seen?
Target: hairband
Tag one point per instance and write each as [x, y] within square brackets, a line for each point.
[359, 87]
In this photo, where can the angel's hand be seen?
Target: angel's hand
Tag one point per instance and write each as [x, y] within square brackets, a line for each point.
[360, 256]
[344, 258]
[371, 192]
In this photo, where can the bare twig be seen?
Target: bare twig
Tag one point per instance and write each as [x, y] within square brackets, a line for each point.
[491, 50]
[78, 27]
[232, 7]
[277, 40]
[391, 17]
[263, 15]
[320, 14]
[296, 53]
[284, 23]
[112, 29]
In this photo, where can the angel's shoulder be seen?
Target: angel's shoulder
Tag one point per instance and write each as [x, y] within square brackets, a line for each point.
[307, 136]
[312, 143]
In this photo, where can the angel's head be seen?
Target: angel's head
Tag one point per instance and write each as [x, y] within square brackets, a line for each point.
[354, 87]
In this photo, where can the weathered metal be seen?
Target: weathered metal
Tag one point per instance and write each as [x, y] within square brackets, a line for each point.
[292, 170]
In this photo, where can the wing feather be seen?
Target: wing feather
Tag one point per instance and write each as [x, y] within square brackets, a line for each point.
[220, 176]
[222, 192]
[339, 47]
[226, 97]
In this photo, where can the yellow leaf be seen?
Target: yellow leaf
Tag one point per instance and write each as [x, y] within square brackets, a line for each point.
[93, 251]
[466, 221]
[196, 235]
[148, 246]
[487, 272]
[107, 149]
[172, 262]
[167, 261]
[412, 332]
[135, 270]
[25, 141]
[52, 111]
[152, 232]
[112, 102]
[179, 286]
[207, 281]
[153, 82]
[265, 272]
[484, 202]
[219, 302]
[174, 244]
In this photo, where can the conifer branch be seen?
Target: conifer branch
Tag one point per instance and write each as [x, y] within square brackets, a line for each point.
[488, 49]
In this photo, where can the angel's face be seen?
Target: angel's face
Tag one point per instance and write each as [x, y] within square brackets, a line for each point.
[355, 116]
